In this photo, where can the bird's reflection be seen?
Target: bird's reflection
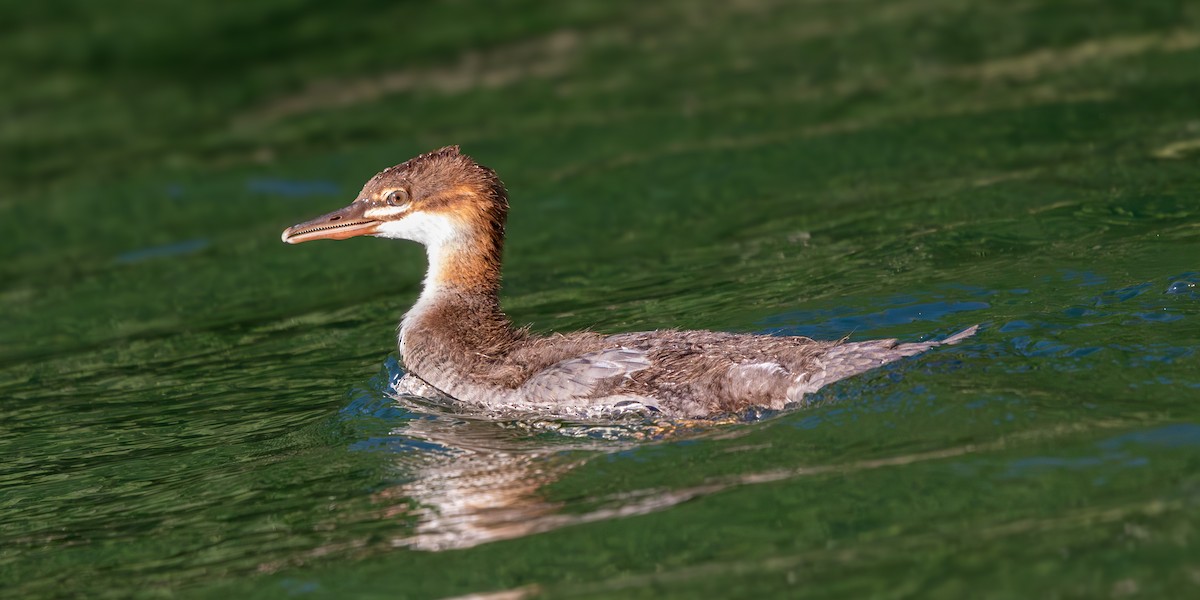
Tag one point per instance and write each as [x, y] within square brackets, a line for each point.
[483, 480]
[470, 479]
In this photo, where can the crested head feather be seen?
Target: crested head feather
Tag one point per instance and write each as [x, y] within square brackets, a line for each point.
[443, 168]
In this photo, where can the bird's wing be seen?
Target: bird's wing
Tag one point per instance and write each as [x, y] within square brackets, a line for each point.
[580, 376]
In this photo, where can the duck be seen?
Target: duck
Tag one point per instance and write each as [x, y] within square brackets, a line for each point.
[457, 344]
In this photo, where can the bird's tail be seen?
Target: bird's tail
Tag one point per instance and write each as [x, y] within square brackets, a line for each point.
[851, 358]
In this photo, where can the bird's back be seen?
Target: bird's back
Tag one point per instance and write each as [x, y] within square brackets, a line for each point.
[697, 373]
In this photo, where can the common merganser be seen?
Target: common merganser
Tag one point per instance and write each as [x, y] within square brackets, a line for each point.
[456, 342]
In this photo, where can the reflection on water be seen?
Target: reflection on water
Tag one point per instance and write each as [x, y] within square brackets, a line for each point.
[475, 481]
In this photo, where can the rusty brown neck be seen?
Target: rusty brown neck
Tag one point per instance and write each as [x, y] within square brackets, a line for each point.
[466, 263]
[459, 308]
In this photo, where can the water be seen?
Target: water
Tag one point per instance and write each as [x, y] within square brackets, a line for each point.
[190, 408]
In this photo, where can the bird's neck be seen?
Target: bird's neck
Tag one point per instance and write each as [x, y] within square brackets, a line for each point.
[459, 305]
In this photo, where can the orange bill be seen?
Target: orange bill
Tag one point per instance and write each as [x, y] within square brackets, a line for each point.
[337, 225]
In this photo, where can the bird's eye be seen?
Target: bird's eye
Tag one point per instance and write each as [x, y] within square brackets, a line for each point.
[396, 197]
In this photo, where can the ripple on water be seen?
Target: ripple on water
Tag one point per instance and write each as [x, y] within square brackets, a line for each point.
[1120, 451]
[292, 188]
[1184, 285]
[167, 250]
[1181, 287]
[839, 322]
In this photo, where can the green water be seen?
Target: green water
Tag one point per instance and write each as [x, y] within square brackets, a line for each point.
[190, 408]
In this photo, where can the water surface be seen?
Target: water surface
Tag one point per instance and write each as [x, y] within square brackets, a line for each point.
[190, 408]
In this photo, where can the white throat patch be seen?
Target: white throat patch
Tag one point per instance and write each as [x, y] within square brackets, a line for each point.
[426, 228]
[440, 234]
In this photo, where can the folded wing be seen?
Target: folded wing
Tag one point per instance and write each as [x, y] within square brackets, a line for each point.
[582, 376]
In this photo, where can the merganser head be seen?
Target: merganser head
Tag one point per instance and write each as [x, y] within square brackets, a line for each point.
[435, 199]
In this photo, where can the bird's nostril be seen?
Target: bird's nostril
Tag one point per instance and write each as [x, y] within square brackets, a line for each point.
[335, 218]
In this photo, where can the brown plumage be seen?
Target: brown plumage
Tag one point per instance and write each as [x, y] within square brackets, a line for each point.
[458, 341]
